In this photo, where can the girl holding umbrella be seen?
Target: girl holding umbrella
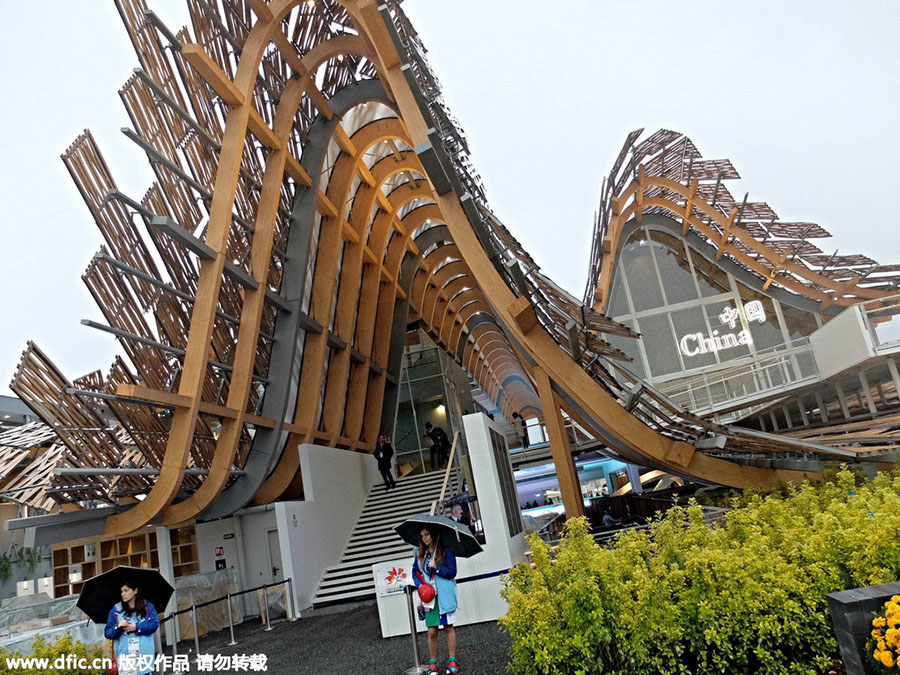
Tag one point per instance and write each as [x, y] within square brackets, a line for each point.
[436, 565]
[130, 625]
[439, 541]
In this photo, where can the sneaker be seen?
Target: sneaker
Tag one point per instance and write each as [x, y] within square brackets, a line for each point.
[433, 667]
[452, 666]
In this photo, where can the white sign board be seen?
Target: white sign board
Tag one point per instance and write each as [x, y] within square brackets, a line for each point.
[392, 577]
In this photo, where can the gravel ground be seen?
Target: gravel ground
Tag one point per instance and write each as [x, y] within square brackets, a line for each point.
[348, 641]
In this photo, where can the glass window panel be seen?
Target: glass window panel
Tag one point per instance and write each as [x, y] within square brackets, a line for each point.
[799, 323]
[767, 334]
[727, 345]
[807, 364]
[618, 304]
[631, 349]
[674, 270]
[637, 261]
[711, 278]
[659, 345]
[690, 322]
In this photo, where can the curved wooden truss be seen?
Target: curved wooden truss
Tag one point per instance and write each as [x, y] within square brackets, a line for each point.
[313, 196]
[226, 118]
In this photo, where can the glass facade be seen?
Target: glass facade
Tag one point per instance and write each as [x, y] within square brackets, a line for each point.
[695, 317]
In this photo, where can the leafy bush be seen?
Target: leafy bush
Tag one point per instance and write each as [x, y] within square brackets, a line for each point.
[30, 558]
[689, 598]
[62, 646]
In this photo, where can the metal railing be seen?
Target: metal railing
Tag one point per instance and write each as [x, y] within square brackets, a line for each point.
[537, 434]
[770, 370]
[879, 314]
[289, 609]
[447, 473]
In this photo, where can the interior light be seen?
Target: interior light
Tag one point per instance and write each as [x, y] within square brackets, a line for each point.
[441, 409]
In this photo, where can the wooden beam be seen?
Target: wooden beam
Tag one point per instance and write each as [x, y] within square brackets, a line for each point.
[524, 315]
[566, 473]
[209, 70]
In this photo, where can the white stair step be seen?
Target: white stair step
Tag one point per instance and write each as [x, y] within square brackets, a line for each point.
[374, 540]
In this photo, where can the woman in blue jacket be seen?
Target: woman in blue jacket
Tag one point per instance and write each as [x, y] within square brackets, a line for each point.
[437, 565]
[131, 625]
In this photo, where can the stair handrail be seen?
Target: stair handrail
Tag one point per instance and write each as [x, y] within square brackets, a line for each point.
[440, 500]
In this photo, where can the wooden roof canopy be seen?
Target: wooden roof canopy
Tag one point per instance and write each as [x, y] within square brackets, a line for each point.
[312, 183]
[665, 173]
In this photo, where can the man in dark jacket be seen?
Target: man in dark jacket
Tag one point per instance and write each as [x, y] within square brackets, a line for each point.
[383, 454]
[441, 448]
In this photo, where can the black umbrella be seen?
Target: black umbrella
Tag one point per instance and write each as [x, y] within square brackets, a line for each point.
[99, 594]
[455, 536]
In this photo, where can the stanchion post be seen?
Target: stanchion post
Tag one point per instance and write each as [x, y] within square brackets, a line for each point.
[231, 623]
[268, 613]
[417, 668]
[196, 632]
[173, 621]
[289, 591]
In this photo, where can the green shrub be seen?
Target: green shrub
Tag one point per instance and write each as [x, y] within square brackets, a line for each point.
[62, 645]
[689, 598]
[30, 558]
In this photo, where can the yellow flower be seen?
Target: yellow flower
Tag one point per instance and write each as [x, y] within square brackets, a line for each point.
[881, 645]
[895, 598]
[880, 622]
[876, 634]
[887, 659]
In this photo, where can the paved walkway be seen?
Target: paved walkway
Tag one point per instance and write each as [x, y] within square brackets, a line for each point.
[348, 641]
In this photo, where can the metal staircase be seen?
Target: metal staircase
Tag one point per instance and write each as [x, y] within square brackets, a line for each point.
[374, 540]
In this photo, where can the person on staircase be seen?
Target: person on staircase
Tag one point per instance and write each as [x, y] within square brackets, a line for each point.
[441, 448]
[521, 429]
[436, 565]
[384, 451]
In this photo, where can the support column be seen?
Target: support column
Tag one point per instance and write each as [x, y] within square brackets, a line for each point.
[895, 376]
[167, 569]
[867, 392]
[842, 400]
[823, 413]
[566, 473]
[787, 416]
[634, 477]
[803, 416]
[880, 390]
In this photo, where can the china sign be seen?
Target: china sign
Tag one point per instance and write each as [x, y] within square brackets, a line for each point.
[694, 344]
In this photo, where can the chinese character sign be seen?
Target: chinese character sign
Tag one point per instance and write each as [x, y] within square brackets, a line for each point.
[729, 316]
[754, 311]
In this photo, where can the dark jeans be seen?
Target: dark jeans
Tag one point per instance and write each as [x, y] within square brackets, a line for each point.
[435, 457]
[389, 481]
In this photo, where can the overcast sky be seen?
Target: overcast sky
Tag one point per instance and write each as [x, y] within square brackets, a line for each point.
[803, 97]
